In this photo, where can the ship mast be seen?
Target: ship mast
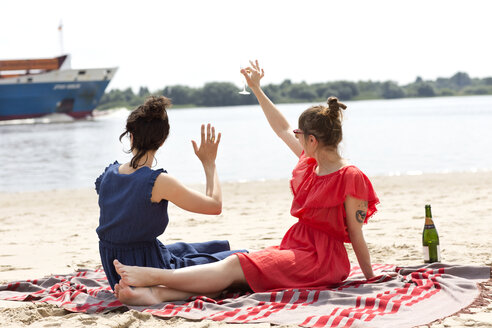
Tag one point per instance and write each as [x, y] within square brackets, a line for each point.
[60, 32]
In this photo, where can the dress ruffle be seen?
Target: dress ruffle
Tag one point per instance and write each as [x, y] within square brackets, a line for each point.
[153, 177]
[100, 178]
[326, 194]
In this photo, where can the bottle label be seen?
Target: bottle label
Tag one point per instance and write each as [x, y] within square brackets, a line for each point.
[427, 254]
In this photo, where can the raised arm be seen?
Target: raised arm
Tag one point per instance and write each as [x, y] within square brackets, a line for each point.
[168, 187]
[279, 124]
[356, 210]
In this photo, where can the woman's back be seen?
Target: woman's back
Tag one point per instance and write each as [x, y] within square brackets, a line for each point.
[126, 211]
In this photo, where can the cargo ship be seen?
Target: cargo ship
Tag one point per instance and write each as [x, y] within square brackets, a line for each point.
[37, 87]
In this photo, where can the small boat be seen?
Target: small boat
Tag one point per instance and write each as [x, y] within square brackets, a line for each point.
[37, 87]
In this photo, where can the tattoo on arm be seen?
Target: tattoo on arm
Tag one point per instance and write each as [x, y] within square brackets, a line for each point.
[360, 216]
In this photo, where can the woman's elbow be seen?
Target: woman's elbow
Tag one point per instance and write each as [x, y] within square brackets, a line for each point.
[215, 209]
[218, 210]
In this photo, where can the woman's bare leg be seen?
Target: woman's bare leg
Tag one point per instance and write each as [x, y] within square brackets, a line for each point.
[198, 279]
[150, 295]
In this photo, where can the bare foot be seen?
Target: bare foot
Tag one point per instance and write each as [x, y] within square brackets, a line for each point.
[116, 290]
[137, 276]
[137, 295]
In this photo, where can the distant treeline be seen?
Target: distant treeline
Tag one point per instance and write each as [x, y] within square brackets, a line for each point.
[226, 94]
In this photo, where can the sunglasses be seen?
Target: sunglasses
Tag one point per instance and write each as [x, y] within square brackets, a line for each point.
[299, 131]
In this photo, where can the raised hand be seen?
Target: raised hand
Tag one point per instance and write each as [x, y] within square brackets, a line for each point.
[253, 74]
[207, 152]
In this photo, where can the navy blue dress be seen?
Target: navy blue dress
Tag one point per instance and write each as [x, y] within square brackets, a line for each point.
[130, 223]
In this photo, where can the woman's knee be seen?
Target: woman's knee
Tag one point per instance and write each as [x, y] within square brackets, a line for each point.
[234, 269]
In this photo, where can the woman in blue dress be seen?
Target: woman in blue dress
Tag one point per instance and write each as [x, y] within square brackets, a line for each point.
[133, 198]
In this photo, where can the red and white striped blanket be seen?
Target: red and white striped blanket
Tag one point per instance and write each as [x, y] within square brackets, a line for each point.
[417, 295]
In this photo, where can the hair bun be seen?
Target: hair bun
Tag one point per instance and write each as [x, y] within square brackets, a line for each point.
[334, 104]
[155, 107]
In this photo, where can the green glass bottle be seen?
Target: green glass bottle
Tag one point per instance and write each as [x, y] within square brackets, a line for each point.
[430, 239]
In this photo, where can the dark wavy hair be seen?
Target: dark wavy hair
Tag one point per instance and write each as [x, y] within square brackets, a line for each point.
[149, 126]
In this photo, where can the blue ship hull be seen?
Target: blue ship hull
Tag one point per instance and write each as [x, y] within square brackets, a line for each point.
[25, 100]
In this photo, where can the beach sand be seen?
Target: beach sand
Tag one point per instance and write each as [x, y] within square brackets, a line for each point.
[53, 232]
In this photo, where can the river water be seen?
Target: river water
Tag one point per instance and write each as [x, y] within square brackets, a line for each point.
[381, 137]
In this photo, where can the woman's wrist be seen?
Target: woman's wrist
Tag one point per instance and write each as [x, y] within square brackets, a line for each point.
[209, 165]
[256, 89]
[368, 273]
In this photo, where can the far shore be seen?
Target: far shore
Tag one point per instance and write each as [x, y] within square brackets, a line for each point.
[102, 109]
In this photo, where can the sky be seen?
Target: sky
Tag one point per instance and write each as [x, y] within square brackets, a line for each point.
[188, 42]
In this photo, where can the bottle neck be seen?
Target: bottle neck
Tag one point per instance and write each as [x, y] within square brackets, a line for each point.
[428, 215]
[428, 212]
[428, 221]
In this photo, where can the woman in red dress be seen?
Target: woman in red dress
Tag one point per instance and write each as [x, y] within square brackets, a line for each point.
[332, 200]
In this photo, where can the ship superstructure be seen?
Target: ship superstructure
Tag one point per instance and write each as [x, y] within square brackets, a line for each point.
[37, 87]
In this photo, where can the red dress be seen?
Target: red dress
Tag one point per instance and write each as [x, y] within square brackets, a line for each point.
[312, 253]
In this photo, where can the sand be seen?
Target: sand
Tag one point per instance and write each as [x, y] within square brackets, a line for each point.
[53, 232]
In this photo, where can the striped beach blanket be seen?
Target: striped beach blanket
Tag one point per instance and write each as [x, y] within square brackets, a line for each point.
[415, 296]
